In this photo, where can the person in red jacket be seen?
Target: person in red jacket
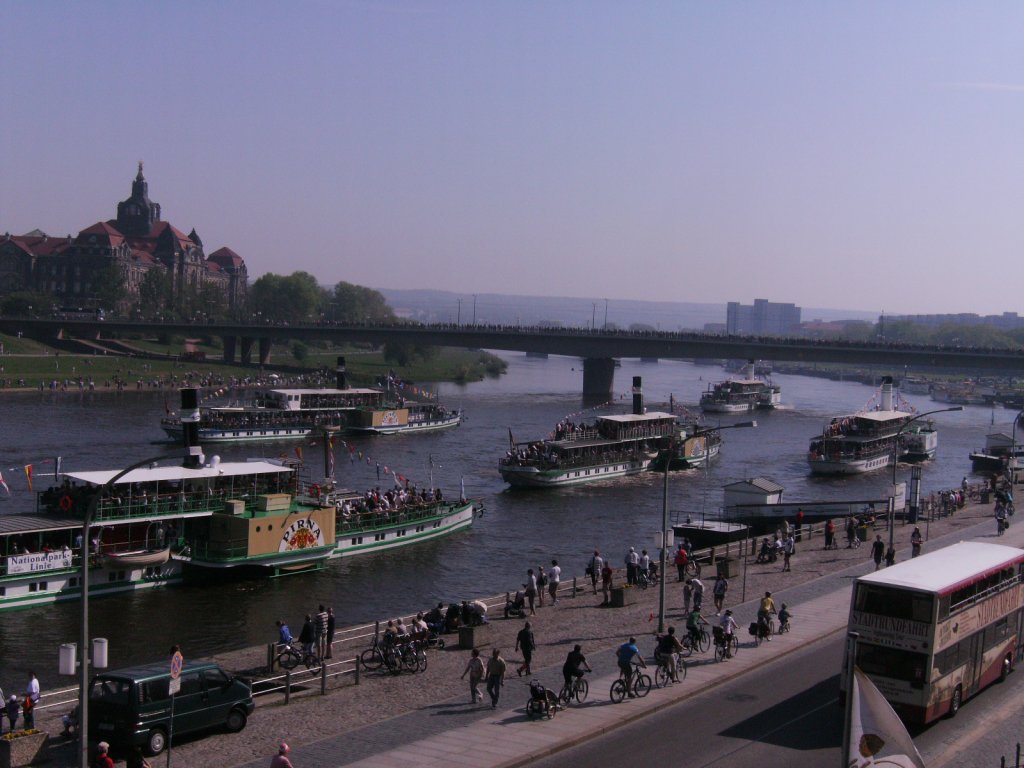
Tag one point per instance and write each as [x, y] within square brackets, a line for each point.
[281, 760]
[102, 758]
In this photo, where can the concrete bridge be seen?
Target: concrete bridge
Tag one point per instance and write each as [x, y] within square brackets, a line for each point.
[598, 348]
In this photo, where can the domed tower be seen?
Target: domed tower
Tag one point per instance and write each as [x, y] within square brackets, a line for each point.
[137, 215]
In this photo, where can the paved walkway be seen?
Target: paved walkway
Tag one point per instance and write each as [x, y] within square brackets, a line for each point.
[456, 733]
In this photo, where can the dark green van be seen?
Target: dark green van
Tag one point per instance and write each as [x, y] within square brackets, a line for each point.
[133, 706]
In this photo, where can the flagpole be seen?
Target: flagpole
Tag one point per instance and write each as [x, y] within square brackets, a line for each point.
[851, 663]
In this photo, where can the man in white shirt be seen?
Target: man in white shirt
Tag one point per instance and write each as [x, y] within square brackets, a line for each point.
[554, 575]
[698, 593]
[32, 689]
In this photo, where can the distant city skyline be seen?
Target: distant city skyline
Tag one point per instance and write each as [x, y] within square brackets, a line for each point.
[861, 156]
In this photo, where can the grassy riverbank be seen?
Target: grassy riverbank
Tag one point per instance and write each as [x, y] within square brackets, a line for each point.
[30, 364]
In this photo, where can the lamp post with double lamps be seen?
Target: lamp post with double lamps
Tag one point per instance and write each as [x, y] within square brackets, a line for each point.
[895, 461]
[1012, 462]
[664, 512]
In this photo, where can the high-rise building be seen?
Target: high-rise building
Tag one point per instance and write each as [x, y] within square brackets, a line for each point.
[762, 318]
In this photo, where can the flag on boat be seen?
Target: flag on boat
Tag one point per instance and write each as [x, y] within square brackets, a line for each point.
[877, 735]
[298, 452]
[56, 469]
[330, 456]
[3, 484]
[28, 475]
[378, 470]
[511, 440]
[462, 489]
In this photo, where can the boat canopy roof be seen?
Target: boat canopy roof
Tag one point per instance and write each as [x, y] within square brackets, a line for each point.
[637, 418]
[19, 524]
[178, 473]
[328, 391]
[946, 568]
[883, 416]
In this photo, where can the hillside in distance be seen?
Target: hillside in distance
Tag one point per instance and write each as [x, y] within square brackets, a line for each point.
[432, 306]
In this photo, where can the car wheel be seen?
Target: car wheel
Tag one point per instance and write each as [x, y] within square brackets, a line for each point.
[156, 742]
[236, 720]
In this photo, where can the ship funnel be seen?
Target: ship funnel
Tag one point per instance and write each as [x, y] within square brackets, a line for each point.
[189, 416]
[638, 396]
[339, 372]
[886, 404]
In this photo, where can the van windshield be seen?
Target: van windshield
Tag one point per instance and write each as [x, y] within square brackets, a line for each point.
[110, 690]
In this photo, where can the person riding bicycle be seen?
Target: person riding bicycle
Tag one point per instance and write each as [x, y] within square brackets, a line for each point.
[764, 555]
[575, 663]
[764, 612]
[668, 647]
[728, 626]
[284, 635]
[784, 616]
[693, 624]
[625, 655]
[307, 636]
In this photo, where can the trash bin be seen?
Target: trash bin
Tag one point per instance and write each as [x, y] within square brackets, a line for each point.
[986, 497]
[724, 567]
[862, 532]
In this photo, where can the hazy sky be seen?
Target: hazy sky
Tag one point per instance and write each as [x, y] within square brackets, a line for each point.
[833, 154]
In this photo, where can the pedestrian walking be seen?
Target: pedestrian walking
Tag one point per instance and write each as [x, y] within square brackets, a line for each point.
[915, 542]
[525, 644]
[542, 585]
[698, 593]
[320, 623]
[606, 584]
[554, 576]
[103, 759]
[331, 626]
[531, 590]
[878, 551]
[890, 556]
[799, 523]
[136, 759]
[475, 670]
[495, 676]
[27, 712]
[632, 563]
[687, 595]
[681, 559]
[851, 531]
[830, 535]
[788, 548]
[12, 711]
[596, 566]
[280, 760]
[718, 592]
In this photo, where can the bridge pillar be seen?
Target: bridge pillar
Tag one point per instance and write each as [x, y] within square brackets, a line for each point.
[598, 376]
[246, 342]
[264, 350]
[229, 348]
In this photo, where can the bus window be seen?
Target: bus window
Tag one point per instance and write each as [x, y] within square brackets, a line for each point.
[899, 603]
[892, 663]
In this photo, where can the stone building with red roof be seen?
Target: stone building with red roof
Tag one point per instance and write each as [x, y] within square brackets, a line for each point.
[137, 241]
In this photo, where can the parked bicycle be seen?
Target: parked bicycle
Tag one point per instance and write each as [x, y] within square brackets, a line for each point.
[648, 578]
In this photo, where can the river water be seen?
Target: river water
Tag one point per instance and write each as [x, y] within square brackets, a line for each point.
[517, 530]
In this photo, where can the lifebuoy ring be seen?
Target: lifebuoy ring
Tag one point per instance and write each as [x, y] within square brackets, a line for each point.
[65, 503]
[314, 491]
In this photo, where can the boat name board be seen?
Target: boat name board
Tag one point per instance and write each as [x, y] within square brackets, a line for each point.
[38, 561]
[302, 534]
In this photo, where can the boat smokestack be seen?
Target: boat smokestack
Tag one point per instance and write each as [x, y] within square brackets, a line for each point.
[638, 396]
[339, 373]
[189, 416]
[886, 404]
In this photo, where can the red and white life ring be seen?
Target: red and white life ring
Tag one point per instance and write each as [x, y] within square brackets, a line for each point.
[314, 491]
[65, 503]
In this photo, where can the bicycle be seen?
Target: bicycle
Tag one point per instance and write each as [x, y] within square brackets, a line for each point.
[578, 689]
[645, 579]
[639, 686]
[725, 647]
[294, 654]
[661, 675]
[372, 658]
[764, 628]
[700, 644]
[692, 568]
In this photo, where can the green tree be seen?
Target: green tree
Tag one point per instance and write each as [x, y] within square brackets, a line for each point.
[358, 304]
[154, 292]
[25, 303]
[109, 287]
[294, 298]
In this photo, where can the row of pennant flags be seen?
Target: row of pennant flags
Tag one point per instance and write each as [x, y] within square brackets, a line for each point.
[357, 455]
[29, 471]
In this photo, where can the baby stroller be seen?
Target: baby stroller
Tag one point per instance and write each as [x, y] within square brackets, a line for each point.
[542, 702]
[516, 606]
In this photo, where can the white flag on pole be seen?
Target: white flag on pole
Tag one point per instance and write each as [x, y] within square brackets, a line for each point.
[877, 735]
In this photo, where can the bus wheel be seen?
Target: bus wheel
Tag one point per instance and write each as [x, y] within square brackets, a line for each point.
[958, 697]
[1006, 668]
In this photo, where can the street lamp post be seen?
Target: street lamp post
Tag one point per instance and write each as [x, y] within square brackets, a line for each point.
[83, 690]
[895, 461]
[1012, 463]
[664, 513]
